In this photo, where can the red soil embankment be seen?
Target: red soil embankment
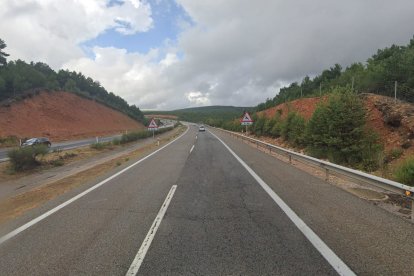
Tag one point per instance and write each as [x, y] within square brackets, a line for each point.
[391, 136]
[62, 116]
[305, 107]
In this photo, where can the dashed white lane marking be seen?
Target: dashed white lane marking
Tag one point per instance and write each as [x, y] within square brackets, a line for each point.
[317, 242]
[66, 203]
[191, 148]
[139, 258]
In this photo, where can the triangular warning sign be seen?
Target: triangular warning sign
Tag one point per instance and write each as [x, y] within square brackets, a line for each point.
[246, 118]
[152, 124]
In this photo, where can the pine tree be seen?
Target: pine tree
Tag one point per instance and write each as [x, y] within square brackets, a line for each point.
[3, 55]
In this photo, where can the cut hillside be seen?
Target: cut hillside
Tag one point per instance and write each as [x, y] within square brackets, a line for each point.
[305, 107]
[394, 122]
[62, 116]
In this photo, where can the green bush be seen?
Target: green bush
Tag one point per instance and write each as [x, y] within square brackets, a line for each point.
[135, 136]
[405, 172]
[26, 158]
[395, 153]
[258, 125]
[268, 126]
[116, 141]
[9, 141]
[337, 131]
[57, 163]
[100, 145]
[293, 129]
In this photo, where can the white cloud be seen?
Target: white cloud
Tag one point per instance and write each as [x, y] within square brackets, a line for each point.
[51, 31]
[198, 98]
[236, 52]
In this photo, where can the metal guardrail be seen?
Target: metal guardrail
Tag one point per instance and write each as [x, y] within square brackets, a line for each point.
[380, 182]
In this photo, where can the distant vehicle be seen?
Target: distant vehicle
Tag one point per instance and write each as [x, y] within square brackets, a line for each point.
[201, 128]
[37, 141]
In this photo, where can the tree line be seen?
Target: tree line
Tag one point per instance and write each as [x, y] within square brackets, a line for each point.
[378, 75]
[19, 79]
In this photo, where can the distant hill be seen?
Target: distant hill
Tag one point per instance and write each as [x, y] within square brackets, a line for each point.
[205, 114]
[61, 116]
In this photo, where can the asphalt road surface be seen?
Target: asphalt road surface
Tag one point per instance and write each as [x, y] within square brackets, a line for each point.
[67, 145]
[197, 208]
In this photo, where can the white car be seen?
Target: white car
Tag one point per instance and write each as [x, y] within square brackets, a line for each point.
[201, 128]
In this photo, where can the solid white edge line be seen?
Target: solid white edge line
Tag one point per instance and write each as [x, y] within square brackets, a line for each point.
[139, 258]
[317, 242]
[66, 203]
[191, 148]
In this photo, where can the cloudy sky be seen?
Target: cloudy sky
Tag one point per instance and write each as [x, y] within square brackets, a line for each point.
[166, 54]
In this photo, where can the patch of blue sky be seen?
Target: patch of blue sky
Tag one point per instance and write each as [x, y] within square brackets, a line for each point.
[166, 15]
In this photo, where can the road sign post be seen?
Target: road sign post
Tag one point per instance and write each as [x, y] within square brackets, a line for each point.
[153, 127]
[246, 120]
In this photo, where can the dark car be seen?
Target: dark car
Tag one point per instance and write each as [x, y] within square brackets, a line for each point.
[37, 141]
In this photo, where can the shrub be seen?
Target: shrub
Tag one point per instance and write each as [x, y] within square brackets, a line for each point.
[258, 126]
[405, 172]
[276, 130]
[57, 163]
[395, 153]
[69, 155]
[293, 129]
[337, 130]
[100, 146]
[9, 141]
[116, 141]
[267, 127]
[26, 158]
[135, 136]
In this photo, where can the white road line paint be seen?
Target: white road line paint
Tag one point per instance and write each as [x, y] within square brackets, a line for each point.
[191, 148]
[317, 242]
[196, 137]
[66, 203]
[139, 258]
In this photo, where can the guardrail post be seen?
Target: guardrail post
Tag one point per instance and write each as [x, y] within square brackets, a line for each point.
[257, 144]
[270, 149]
[412, 209]
[326, 175]
[290, 159]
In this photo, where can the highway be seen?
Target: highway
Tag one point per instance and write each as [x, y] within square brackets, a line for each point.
[73, 144]
[66, 145]
[207, 204]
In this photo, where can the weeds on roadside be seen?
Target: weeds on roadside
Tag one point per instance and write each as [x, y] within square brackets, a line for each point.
[405, 172]
[100, 146]
[26, 158]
